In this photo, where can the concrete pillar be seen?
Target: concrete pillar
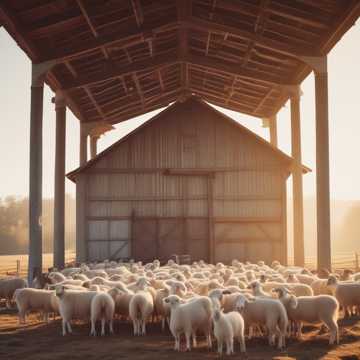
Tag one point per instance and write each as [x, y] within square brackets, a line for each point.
[322, 168]
[297, 175]
[83, 144]
[59, 189]
[93, 145]
[273, 130]
[35, 189]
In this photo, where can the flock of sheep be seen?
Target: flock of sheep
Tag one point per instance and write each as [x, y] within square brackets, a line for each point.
[273, 301]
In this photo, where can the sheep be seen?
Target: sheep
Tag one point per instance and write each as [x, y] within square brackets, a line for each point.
[297, 288]
[188, 318]
[226, 327]
[56, 277]
[320, 287]
[258, 291]
[141, 307]
[8, 287]
[268, 312]
[102, 308]
[28, 299]
[312, 309]
[73, 304]
[348, 294]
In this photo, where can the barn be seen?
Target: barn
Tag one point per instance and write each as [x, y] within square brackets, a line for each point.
[188, 181]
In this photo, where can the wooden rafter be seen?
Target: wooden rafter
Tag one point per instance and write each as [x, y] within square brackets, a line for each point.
[147, 65]
[138, 89]
[274, 45]
[125, 39]
[139, 15]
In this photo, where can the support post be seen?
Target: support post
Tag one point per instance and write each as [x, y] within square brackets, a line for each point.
[319, 65]
[83, 144]
[35, 188]
[59, 189]
[93, 145]
[297, 175]
[211, 218]
[271, 123]
[273, 130]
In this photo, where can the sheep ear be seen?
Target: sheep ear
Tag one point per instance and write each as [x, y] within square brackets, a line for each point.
[226, 292]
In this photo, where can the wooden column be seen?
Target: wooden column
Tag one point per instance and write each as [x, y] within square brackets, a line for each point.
[59, 189]
[298, 212]
[83, 144]
[322, 167]
[273, 130]
[35, 189]
[93, 145]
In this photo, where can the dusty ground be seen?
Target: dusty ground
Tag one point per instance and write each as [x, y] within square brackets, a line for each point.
[40, 341]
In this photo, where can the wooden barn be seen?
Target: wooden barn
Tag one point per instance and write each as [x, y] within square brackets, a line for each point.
[188, 181]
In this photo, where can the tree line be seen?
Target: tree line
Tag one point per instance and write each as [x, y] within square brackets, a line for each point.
[14, 224]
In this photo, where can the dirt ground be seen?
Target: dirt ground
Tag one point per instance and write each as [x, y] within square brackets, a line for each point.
[37, 341]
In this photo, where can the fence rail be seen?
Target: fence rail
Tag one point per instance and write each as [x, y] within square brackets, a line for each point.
[17, 264]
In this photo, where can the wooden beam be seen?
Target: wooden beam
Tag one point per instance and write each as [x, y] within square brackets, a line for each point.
[131, 36]
[233, 69]
[139, 15]
[146, 65]
[274, 45]
[17, 32]
[139, 90]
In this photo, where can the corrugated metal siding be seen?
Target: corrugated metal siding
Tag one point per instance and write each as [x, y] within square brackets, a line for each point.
[249, 185]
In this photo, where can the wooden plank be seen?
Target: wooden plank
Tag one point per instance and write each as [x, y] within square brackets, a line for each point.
[210, 194]
[244, 240]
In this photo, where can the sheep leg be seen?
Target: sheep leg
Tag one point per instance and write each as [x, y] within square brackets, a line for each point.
[194, 339]
[22, 315]
[111, 329]
[135, 326]
[143, 327]
[177, 342]
[220, 347]
[102, 326]
[8, 303]
[334, 332]
[251, 332]
[229, 346]
[64, 327]
[93, 330]
[188, 342]
[69, 327]
[163, 324]
[241, 340]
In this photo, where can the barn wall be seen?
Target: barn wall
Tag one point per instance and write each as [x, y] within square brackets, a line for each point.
[134, 209]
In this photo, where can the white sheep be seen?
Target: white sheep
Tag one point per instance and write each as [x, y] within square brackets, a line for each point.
[226, 327]
[347, 293]
[102, 308]
[189, 317]
[73, 304]
[8, 287]
[28, 299]
[312, 309]
[268, 312]
[141, 307]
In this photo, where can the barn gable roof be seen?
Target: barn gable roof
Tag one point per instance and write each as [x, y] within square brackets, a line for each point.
[194, 101]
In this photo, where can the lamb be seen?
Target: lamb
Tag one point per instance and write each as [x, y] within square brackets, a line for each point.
[268, 312]
[320, 287]
[188, 318]
[226, 327]
[35, 299]
[102, 308]
[312, 309]
[73, 304]
[141, 307]
[347, 293]
[8, 287]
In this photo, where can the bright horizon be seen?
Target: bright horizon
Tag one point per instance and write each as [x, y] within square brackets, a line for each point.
[344, 125]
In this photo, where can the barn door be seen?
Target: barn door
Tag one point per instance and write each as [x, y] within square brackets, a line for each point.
[170, 237]
[144, 246]
[108, 239]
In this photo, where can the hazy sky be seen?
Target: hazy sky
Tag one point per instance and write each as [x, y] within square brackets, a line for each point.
[344, 122]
